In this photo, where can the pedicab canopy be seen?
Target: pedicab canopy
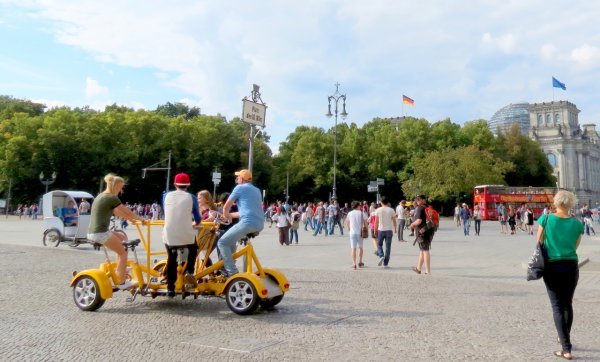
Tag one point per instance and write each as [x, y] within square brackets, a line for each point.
[58, 199]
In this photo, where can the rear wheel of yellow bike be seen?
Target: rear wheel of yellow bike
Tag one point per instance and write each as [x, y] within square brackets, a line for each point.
[241, 296]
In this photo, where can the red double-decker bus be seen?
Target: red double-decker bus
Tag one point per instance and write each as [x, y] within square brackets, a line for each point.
[488, 197]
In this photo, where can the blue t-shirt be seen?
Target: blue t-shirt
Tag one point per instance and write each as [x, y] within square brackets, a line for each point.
[67, 211]
[249, 202]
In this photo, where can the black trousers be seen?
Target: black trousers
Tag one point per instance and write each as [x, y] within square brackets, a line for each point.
[561, 279]
[171, 271]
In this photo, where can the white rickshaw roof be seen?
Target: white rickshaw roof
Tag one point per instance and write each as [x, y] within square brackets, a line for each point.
[73, 194]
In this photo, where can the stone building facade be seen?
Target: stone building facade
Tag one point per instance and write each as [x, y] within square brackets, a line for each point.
[572, 150]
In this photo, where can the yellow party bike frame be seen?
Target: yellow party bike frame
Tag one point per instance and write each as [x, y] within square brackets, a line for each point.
[244, 292]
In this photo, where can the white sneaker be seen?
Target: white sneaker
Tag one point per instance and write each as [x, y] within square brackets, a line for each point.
[381, 261]
[126, 285]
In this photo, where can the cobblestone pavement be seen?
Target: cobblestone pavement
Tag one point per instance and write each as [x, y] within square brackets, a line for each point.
[475, 306]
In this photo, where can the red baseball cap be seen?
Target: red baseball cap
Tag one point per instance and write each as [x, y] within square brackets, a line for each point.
[182, 179]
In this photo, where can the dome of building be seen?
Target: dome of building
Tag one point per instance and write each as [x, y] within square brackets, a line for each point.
[506, 116]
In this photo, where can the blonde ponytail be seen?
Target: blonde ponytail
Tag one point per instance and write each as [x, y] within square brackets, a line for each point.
[111, 180]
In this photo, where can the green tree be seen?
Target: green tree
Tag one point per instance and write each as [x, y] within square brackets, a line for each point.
[444, 174]
[174, 110]
[531, 165]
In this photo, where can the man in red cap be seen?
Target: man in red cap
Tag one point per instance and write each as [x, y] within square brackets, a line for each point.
[249, 202]
[179, 232]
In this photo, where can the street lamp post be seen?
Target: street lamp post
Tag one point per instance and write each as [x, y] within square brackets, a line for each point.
[47, 182]
[336, 97]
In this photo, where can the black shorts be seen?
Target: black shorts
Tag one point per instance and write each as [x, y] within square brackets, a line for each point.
[424, 241]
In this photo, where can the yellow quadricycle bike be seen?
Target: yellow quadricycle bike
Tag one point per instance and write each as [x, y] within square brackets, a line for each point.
[244, 292]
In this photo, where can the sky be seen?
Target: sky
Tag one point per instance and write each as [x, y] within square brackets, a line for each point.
[461, 60]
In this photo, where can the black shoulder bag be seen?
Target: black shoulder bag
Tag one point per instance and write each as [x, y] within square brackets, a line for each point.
[535, 267]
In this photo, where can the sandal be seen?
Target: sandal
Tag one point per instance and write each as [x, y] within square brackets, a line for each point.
[354, 266]
[414, 268]
[361, 265]
[563, 354]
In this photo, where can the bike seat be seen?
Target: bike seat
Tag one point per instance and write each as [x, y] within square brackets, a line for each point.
[131, 243]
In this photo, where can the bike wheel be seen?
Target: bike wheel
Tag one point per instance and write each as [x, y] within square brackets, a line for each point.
[241, 296]
[51, 237]
[86, 294]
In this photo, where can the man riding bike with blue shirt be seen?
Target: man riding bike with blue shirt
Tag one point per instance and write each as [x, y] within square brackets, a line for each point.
[249, 202]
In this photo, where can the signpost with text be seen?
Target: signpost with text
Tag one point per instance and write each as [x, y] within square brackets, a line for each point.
[253, 113]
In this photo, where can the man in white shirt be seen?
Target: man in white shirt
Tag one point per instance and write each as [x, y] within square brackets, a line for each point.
[401, 220]
[355, 220]
[181, 207]
[385, 224]
[84, 207]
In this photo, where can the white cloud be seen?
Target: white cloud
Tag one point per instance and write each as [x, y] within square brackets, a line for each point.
[505, 43]
[93, 89]
[586, 55]
[455, 60]
[548, 51]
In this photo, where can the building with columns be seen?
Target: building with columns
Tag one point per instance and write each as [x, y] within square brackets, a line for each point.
[573, 150]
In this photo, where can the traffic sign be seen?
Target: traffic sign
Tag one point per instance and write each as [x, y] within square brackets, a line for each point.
[380, 181]
[373, 183]
[372, 188]
[216, 177]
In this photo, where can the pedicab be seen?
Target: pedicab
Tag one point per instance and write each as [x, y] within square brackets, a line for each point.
[244, 292]
[57, 227]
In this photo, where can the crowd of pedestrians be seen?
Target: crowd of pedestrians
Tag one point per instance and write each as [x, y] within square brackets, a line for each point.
[377, 221]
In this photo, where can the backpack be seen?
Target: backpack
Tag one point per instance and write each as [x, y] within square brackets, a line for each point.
[433, 218]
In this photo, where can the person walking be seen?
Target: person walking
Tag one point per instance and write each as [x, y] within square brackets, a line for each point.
[319, 219]
[295, 217]
[503, 217]
[424, 235]
[309, 217]
[372, 226]
[456, 215]
[385, 221]
[529, 218]
[283, 223]
[512, 219]
[561, 271]
[355, 221]
[465, 218]
[335, 217]
[477, 216]
[401, 220]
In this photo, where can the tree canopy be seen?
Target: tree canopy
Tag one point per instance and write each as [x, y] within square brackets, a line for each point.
[442, 159]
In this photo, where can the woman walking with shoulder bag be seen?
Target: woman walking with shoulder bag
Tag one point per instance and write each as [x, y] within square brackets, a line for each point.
[561, 270]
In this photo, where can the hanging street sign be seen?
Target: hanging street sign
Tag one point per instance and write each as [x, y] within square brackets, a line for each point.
[254, 113]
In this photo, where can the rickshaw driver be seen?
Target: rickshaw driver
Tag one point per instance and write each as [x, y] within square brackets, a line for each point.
[179, 232]
[249, 201]
[104, 206]
[69, 214]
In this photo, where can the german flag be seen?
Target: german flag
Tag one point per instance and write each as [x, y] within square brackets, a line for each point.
[407, 100]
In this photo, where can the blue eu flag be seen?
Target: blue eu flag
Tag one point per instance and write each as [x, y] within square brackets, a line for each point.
[557, 84]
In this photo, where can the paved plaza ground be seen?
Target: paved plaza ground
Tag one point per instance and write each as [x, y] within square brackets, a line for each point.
[476, 305]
